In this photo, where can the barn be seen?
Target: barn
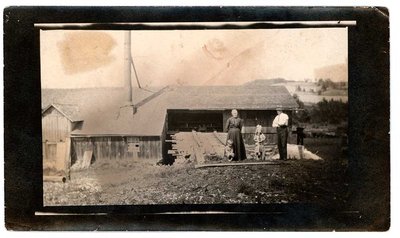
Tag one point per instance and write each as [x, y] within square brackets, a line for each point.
[103, 124]
[67, 110]
[112, 129]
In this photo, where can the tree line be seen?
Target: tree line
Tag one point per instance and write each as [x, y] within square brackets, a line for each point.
[324, 85]
[325, 111]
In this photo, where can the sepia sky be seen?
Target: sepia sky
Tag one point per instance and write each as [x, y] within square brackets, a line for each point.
[79, 59]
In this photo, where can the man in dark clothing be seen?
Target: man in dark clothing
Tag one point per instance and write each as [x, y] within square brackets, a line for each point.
[300, 140]
[300, 135]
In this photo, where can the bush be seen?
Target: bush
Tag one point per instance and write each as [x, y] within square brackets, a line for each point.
[328, 112]
[332, 112]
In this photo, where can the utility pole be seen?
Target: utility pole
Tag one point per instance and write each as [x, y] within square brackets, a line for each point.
[127, 108]
[127, 66]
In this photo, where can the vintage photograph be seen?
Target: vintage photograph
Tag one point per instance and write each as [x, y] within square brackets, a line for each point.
[204, 116]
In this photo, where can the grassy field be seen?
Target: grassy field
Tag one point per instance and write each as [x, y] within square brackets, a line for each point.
[143, 182]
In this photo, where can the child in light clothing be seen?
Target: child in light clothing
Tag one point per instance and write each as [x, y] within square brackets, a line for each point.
[259, 138]
[229, 150]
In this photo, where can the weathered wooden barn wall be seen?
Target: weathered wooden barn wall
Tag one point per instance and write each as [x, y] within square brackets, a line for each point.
[55, 126]
[164, 136]
[116, 147]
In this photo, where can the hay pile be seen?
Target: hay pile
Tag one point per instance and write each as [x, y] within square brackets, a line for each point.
[298, 152]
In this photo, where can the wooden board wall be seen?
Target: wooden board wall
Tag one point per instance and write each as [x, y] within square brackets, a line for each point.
[116, 147]
[55, 126]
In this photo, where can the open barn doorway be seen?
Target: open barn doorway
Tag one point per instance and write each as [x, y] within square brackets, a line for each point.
[198, 120]
[187, 121]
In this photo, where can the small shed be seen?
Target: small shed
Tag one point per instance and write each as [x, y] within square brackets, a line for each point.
[58, 120]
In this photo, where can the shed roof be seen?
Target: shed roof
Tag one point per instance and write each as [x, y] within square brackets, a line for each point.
[70, 111]
[87, 98]
[149, 118]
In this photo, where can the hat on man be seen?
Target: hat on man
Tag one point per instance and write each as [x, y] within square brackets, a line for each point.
[279, 108]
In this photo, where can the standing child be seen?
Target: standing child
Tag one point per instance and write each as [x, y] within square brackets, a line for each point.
[259, 137]
[229, 150]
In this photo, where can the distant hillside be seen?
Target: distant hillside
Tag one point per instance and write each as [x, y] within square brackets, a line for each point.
[309, 92]
[266, 82]
[336, 73]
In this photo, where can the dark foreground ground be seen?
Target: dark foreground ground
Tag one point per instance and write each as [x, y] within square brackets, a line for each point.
[143, 182]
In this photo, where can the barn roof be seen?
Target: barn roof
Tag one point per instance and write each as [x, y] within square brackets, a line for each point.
[70, 111]
[100, 107]
[150, 116]
[227, 97]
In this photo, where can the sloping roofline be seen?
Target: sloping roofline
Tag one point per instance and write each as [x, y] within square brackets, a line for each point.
[150, 117]
[61, 111]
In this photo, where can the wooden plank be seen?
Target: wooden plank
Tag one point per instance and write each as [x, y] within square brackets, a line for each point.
[172, 152]
[199, 156]
[87, 158]
[197, 149]
[239, 164]
[54, 179]
[196, 139]
[108, 148]
[218, 138]
[60, 156]
[44, 154]
[68, 157]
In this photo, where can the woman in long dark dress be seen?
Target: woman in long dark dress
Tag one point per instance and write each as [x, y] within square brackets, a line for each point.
[234, 126]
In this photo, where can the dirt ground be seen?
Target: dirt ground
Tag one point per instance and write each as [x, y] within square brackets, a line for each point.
[143, 182]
